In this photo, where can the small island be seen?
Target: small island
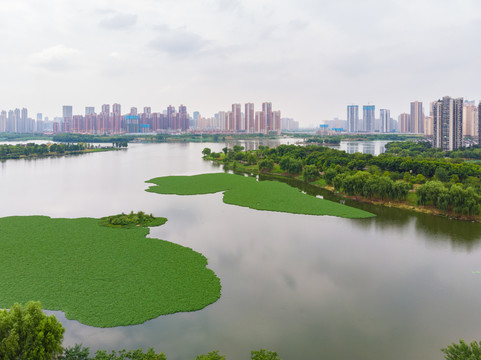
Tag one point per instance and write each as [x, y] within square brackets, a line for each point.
[99, 273]
[127, 221]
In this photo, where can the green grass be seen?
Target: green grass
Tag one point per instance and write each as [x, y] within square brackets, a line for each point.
[99, 275]
[246, 191]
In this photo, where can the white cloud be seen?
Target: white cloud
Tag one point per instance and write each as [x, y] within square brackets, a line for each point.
[177, 42]
[117, 21]
[57, 58]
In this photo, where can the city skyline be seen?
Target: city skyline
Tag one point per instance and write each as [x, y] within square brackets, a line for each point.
[311, 57]
[105, 121]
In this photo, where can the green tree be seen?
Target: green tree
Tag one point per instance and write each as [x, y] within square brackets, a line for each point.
[463, 351]
[329, 175]
[441, 174]
[264, 355]
[291, 165]
[251, 159]
[129, 355]
[77, 352]
[26, 333]
[266, 165]
[206, 151]
[310, 173]
[213, 355]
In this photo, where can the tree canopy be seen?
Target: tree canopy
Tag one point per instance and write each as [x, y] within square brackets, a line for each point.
[26, 333]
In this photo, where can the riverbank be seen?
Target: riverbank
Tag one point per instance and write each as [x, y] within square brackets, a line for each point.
[409, 204]
[26, 151]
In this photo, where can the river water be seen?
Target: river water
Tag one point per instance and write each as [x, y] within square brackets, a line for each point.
[398, 286]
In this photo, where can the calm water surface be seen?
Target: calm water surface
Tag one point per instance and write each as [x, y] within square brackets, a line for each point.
[398, 286]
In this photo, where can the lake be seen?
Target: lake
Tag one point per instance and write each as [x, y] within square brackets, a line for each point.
[398, 286]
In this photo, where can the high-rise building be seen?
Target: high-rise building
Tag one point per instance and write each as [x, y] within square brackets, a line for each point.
[89, 110]
[368, 117]
[470, 119]
[267, 110]
[352, 118]
[417, 118]
[116, 108]
[249, 117]
[222, 120]
[289, 124]
[479, 123]
[276, 121]
[105, 109]
[11, 121]
[260, 123]
[237, 118]
[404, 122]
[183, 118]
[428, 126]
[448, 123]
[385, 116]
[67, 114]
[171, 118]
[3, 121]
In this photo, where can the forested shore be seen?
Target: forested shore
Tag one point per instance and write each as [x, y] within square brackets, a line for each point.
[31, 150]
[408, 175]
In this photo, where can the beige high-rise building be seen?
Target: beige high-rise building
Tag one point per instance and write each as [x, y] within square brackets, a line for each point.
[417, 118]
[470, 120]
[428, 126]
[404, 123]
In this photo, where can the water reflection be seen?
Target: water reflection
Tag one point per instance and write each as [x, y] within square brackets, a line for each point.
[462, 234]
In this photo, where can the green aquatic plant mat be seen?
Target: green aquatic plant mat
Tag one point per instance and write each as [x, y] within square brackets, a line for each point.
[99, 275]
[259, 195]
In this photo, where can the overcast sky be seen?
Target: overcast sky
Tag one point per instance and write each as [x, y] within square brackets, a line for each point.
[310, 58]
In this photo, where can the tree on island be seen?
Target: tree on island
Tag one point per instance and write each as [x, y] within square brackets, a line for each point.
[264, 355]
[206, 151]
[213, 355]
[26, 333]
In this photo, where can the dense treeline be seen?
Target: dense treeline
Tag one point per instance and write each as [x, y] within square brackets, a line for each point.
[78, 352]
[425, 149]
[353, 137]
[449, 183]
[30, 149]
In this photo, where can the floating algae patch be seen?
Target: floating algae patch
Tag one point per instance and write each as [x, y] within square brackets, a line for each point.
[99, 275]
[246, 191]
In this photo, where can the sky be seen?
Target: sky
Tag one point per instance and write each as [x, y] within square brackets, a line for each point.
[310, 58]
